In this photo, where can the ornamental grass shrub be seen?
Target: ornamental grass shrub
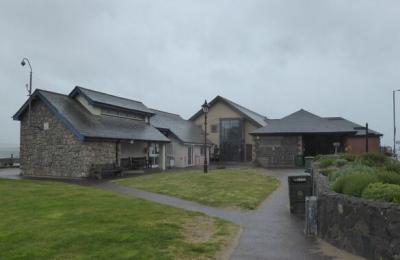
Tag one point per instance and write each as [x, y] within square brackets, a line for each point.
[393, 166]
[330, 173]
[348, 157]
[354, 184]
[353, 179]
[388, 177]
[371, 175]
[325, 162]
[382, 191]
[373, 159]
[340, 162]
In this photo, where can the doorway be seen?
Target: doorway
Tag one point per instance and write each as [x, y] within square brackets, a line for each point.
[231, 140]
[190, 156]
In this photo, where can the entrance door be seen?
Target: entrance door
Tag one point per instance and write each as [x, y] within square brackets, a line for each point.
[231, 140]
[190, 155]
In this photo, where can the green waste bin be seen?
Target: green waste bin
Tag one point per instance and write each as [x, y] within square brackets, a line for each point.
[307, 163]
[300, 186]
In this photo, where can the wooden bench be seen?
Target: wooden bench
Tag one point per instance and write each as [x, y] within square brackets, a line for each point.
[134, 163]
[99, 171]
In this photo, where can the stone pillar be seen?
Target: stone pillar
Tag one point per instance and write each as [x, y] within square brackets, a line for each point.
[163, 157]
[300, 145]
[311, 216]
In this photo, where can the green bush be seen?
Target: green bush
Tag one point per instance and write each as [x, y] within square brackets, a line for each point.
[381, 191]
[392, 165]
[388, 177]
[318, 157]
[356, 169]
[354, 184]
[340, 162]
[348, 157]
[329, 172]
[373, 159]
[325, 162]
[352, 180]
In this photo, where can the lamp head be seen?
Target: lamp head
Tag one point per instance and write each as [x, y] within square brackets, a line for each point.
[205, 106]
[23, 62]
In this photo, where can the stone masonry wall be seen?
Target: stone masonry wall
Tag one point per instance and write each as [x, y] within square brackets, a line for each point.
[56, 152]
[367, 228]
[276, 151]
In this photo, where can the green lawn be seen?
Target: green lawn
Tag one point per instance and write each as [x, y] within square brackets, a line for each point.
[237, 188]
[52, 220]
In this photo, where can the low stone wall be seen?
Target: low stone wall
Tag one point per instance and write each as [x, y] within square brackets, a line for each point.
[366, 228]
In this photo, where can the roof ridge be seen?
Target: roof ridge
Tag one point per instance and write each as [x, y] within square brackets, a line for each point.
[51, 92]
[303, 110]
[100, 92]
[334, 118]
[165, 112]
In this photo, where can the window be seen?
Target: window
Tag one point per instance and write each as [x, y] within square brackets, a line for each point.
[119, 113]
[214, 128]
[170, 149]
[153, 149]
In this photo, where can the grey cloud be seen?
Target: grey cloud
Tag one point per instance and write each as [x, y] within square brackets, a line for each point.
[335, 58]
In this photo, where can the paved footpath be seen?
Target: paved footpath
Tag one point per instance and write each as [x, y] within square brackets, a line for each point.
[269, 232]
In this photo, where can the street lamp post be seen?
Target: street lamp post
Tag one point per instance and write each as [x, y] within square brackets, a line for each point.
[366, 138]
[205, 108]
[394, 123]
[29, 88]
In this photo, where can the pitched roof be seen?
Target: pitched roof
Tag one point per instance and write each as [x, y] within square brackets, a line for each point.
[303, 121]
[87, 126]
[101, 99]
[347, 123]
[259, 119]
[186, 131]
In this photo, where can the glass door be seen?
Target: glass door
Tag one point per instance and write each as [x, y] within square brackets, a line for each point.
[231, 139]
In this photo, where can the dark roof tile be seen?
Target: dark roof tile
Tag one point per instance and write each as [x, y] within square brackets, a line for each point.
[104, 99]
[86, 125]
[186, 131]
[303, 121]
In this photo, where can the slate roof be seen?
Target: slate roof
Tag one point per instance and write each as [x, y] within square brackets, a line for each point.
[186, 131]
[347, 123]
[87, 126]
[101, 99]
[303, 121]
[259, 119]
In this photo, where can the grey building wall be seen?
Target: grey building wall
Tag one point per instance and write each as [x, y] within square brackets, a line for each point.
[56, 152]
[277, 151]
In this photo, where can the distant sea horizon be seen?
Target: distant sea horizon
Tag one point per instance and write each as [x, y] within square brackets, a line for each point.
[5, 152]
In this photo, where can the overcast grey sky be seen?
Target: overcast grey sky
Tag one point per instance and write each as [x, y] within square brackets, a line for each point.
[333, 58]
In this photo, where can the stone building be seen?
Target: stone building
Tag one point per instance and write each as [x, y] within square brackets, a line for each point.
[67, 134]
[283, 141]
